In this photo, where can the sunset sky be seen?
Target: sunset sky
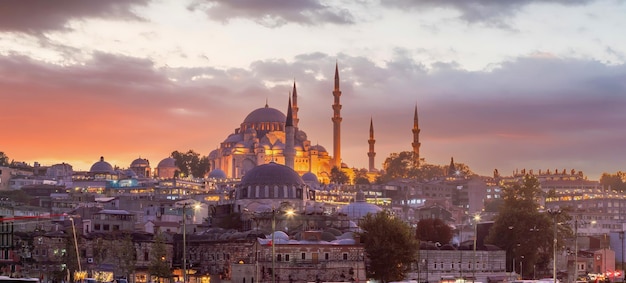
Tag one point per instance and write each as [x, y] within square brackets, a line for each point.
[498, 84]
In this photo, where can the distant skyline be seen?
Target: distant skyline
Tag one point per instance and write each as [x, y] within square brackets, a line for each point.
[498, 84]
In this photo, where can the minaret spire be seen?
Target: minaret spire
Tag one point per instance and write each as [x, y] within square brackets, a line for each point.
[371, 154]
[416, 140]
[289, 152]
[451, 168]
[337, 120]
[294, 105]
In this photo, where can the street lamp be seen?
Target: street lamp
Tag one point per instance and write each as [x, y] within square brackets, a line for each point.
[554, 213]
[476, 219]
[289, 213]
[80, 274]
[184, 205]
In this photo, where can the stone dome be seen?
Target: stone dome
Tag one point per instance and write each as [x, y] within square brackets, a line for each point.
[271, 174]
[217, 174]
[140, 162]
[265, 114]
[167, 163]
[310, 177]
[318, 147]
[101, 167]
[359, 208]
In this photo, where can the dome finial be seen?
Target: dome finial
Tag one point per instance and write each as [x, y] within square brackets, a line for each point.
[266, 105]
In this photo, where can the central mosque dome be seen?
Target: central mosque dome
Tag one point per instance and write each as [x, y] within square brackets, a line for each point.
[265, 114]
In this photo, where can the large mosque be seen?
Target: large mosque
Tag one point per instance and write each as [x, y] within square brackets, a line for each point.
[267, 135]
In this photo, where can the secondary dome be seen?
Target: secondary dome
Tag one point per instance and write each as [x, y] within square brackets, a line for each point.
[101, 167]
[271, 174]
[217, 174]
[318, 148]
[359, 208]
[265, 114]
[167, 163]
[140, 162]
[310, 177]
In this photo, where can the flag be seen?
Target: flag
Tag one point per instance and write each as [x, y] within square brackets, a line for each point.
[269, 243]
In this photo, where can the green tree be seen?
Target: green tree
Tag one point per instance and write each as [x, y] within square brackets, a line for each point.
[524, 232]
[191, 163]
[338, 177]
[614, 181]
[390, 245]
[4, 159]
[69, 257]
[360, 177]
[100, 248]
[400, 165]
[433, 230]
[159, 265]
[126, 255]
[428, 171]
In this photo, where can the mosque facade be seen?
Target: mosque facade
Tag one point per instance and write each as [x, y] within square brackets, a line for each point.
[267, 135]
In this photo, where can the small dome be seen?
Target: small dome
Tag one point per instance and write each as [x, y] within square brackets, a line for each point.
[140, 162]
[233, 138]
[271, 174]
[213, 154]
[359, 208]
[217, 174]
[279, 235]
[101, 167]
[310, 177]
[265, 114]
[318, 147]
[167, 163]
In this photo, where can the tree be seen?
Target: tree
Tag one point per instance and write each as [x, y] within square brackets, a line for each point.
[433, 230]
[159, 266]
[338, 177]
[360, 177]
[4, 159]
[524, 232]
[390, 245]
[614, 181]
[400, 165]
[191, 163]
[126, 255]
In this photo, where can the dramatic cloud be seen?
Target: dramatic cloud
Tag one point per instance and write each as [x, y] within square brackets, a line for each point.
[478, 11]
[38, 16]
[525, 113]
[275, 13]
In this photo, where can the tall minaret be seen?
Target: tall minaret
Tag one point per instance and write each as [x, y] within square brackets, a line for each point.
[337, 120]
[290, 151]
[294, 106]
[416, 140]
[371, 154]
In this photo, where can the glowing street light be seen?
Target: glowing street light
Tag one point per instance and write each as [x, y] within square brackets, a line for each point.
[288, 213]
[476, 219]
[78, 275]
[184, 205]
